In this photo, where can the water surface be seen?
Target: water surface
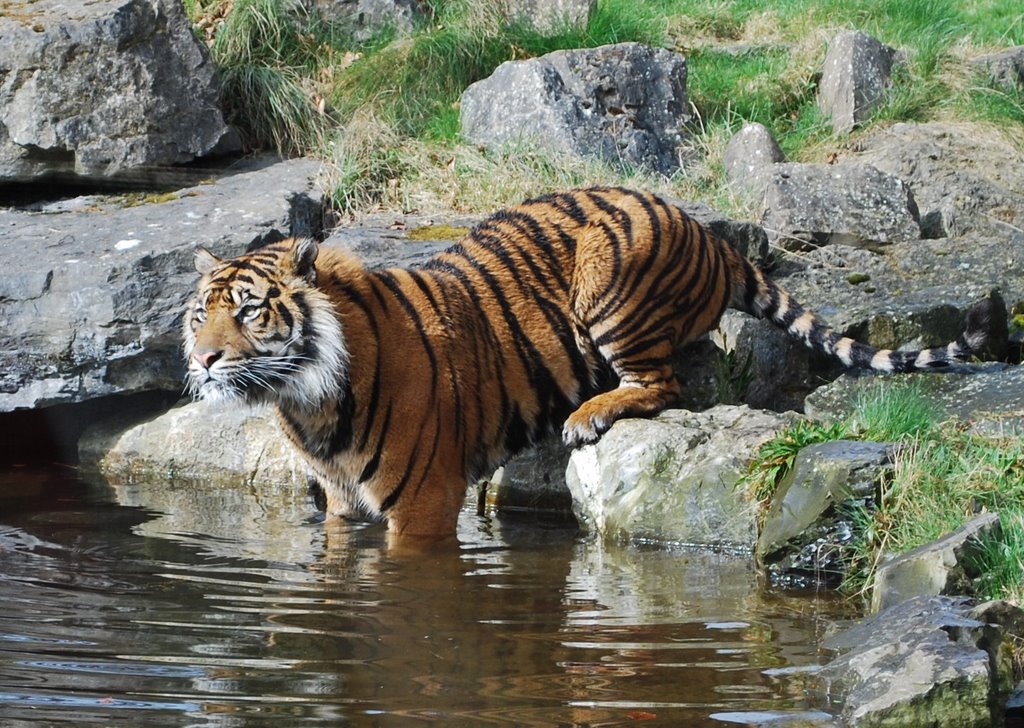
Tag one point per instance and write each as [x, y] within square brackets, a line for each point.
[168, 604]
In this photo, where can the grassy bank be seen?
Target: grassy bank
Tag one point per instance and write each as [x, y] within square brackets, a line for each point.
[944, 475]
[384, 111]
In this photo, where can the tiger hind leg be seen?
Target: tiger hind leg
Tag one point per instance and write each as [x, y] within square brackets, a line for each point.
[639, 394]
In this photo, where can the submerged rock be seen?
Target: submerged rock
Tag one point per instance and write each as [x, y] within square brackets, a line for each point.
[673, 478]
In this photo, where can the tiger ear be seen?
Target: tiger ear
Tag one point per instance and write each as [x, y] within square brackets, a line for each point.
[205, 261]
[304, 252]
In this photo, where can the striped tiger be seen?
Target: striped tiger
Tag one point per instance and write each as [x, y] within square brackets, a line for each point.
[400, 386]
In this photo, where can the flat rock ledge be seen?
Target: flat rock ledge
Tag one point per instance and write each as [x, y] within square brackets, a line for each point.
[96, 309]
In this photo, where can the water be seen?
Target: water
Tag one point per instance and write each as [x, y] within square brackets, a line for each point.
[166, 604]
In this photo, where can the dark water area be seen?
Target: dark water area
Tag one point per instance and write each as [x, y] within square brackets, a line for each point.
[161, 604]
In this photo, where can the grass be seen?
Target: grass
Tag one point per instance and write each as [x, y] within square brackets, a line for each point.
[943, 476]
[294, 84]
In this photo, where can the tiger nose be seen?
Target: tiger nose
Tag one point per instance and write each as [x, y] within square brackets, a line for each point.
[207, 357]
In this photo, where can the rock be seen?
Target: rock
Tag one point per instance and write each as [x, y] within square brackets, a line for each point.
[382, 240]
[854, 78]
[95, 309]
[750, 152]
[102, 88]
[365, 18]
[913, 295]
[763, 365]
[550, 16]
[990, 397]
[811, 521]
[1005, 67]
[198, 443]
[966, 179]
[924, 662]
[624, 103]
[852, 204]
[672, 478]
[945, 566]
[534, 480]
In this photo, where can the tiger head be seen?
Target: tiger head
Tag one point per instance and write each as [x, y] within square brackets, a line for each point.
[259, 330]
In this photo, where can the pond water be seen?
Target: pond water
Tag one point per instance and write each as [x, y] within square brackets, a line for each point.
[164, 604]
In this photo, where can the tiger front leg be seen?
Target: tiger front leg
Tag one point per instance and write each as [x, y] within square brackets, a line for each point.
[632, 398]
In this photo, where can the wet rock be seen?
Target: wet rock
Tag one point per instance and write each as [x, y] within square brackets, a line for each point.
[811, 522]
[196, 442]
[534, 480]
[624, 103]
[672, 478]
[948, 565]
[854, 78]
[365, 18]
[1005, 67]
[88, 89]
[852, 204]
[750, 152]
[95, 309]
[924, 662]
[989, 397]
[966, 179]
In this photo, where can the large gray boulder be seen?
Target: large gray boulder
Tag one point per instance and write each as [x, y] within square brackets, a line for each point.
[104, 88]
[623, 103]
[95, 308]
[854, 78]
[966, 179]
[929, 661]
[674, 478]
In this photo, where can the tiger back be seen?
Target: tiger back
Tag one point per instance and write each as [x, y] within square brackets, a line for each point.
[400, 386]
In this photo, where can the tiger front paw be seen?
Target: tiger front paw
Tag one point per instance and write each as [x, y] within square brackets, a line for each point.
[580, 429]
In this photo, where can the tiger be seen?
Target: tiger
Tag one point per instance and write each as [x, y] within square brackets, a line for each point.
[401, 386]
